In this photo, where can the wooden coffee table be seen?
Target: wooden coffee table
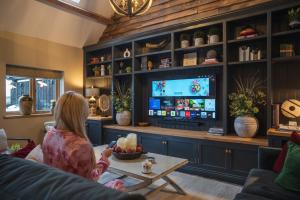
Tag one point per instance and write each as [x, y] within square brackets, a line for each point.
[133, 168]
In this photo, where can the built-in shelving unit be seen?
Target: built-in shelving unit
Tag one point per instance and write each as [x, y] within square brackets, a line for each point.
[278, 72]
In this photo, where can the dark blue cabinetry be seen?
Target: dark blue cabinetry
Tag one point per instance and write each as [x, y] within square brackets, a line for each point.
[94, 131]
[226, 161]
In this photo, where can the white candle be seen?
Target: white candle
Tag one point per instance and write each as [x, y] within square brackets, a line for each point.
[131, 141]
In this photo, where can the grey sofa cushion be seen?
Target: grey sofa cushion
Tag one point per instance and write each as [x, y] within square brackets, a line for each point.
[23, 179]
[246, 196]
[261, 183]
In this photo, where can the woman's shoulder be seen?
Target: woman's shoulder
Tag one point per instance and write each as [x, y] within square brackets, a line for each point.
[66, 136]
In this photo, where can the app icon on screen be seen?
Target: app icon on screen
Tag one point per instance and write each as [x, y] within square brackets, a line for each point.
[173, 113]
[159, 113]
[182, 113]
[187, 114]
[163, 113]
[203, 115]
[151, 112]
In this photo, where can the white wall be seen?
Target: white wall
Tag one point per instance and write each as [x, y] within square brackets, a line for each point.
[27, 51]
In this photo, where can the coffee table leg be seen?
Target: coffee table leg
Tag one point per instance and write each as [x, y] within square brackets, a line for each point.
[178, 189]
[138, 186]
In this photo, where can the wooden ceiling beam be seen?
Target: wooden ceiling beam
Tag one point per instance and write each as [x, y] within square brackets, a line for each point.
[77, 10]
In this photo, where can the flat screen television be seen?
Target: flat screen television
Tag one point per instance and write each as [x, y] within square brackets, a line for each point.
[184, 99]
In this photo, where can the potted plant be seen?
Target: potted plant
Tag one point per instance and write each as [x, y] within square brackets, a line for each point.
[199, 38]
[294, 17]
[97, 71]
[184, 40]
[244, 105]
[122, 104]
[213, 35]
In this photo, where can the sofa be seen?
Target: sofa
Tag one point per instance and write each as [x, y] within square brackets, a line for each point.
[25, 179]
[260, 183]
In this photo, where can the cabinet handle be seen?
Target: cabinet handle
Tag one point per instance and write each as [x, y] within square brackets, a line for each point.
[226, 150]
[229, 151]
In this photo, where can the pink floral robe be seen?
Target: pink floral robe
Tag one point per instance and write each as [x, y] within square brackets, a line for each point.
[71, 153]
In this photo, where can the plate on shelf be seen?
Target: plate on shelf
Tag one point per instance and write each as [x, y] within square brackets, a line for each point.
[104, 102]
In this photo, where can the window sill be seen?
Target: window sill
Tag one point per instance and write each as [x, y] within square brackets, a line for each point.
[15, 116]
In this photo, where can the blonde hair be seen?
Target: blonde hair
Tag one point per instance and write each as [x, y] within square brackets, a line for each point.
[70, 113]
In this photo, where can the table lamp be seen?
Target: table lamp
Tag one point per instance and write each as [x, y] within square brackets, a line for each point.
[92, 93]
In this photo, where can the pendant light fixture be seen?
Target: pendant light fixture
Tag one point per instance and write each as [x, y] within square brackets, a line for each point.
[130, 7]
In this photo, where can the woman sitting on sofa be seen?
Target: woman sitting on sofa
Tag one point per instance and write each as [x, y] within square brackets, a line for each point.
[67, 146]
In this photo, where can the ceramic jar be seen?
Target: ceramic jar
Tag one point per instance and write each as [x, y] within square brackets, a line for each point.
[123, 118]
[246, 126]
[198, 42]
[25, 104]
[213, 39]
[185, 44]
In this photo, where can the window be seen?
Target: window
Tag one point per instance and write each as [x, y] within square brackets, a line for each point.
[42, 85]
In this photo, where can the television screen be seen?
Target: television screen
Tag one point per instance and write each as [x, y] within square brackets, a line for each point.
[192, 98]
[195, 87]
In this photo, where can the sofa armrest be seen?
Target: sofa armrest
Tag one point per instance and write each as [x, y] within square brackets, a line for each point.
[267, 157]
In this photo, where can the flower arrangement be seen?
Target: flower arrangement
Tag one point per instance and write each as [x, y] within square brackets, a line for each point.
[199, 34]
[122, 98]
[247, 98]
[294, 14]
[214, 31]
[184, 36]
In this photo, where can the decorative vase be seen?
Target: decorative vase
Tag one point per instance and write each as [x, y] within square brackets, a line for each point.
[294, 24]
[97, 73]
[185, 43]
[246, 126]
[25, 104]
[213, 39]
[123, 118]
[198, 41]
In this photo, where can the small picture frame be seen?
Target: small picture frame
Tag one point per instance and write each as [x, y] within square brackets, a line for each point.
[190, 59]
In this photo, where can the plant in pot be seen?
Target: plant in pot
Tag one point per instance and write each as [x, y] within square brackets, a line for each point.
[199, 38]
[97, 71]
[244, 105]
[184, 40]
[122, 104]
[294, 18]
[213, 35]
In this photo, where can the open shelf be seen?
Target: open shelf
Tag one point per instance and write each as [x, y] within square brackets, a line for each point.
[199, 47]
[99, 77]
[123, 74]
[100, 63]
[123, 59]
[180, 68]
[289, 32]
[247, 39]
[286, 59]
[247, 62]
[153, 53]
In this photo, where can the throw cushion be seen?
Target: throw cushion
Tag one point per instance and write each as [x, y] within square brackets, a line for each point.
[22, 153]
[289, 178]
[280, 159]
[295, 137]
[3, 141]
[36, 154]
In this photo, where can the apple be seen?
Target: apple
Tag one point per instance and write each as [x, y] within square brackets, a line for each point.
[139, 149]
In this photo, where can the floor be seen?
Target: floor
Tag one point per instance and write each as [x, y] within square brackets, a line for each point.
[199, 188]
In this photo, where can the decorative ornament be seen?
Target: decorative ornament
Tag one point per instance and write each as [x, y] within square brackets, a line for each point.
[104, 103]
[126, 53]
[130, 7]
[291, 108]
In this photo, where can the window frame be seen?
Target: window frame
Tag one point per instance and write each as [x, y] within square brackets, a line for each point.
[32, 92]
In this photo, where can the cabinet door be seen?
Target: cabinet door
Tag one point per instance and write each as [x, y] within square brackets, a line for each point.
[212, 155]
[112, 135]
[182, 148]
[242, 158]
[94, 132]
[153, 144]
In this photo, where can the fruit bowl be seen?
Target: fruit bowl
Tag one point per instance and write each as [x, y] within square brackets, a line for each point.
[127, 156]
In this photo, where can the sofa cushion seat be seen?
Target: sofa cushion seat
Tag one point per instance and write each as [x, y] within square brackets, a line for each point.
[24, 179]
[246, 196]
[261, 183]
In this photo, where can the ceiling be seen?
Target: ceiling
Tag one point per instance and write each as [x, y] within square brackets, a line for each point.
[36, 19]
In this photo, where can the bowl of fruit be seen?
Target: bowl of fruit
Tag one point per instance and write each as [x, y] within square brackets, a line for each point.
[126, 148]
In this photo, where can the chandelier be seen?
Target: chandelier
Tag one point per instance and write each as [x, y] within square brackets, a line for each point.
[130, 7]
